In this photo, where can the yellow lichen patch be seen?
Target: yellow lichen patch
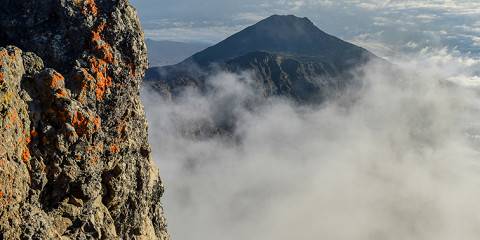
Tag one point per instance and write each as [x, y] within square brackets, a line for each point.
[7, 98]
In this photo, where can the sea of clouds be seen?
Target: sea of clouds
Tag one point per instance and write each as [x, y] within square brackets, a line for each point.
[396, 159]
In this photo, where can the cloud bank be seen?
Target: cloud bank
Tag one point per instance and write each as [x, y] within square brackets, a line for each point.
[397, 159]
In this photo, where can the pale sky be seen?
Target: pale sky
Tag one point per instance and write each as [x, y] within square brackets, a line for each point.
[381, 26]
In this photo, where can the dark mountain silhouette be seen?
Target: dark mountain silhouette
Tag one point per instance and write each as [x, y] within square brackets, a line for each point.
[288, 55]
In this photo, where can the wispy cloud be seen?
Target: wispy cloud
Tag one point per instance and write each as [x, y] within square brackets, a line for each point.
[397, 159]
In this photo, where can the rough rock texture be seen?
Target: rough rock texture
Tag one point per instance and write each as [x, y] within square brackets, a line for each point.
[74, 158]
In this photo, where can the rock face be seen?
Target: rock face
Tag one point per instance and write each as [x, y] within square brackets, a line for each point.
[74, 158]
[289, 56]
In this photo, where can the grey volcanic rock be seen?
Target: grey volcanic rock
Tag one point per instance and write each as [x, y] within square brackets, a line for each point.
[74, 158]
[289, 56]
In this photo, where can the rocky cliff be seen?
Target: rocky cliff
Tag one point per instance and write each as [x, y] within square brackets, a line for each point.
[74, 158]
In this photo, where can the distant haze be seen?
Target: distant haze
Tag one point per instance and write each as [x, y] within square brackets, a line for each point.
[162, 53]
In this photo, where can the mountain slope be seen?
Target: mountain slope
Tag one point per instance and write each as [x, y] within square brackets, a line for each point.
[286, 35]
[289, 56]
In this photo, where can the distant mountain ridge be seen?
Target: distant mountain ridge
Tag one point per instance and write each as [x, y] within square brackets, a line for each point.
[288, 55]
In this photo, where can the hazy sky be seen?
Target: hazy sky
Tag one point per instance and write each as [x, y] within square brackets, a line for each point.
[381, 26]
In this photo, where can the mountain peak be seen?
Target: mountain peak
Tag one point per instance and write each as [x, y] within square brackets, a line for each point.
[288, 56]
[286, 19]
[280, 34]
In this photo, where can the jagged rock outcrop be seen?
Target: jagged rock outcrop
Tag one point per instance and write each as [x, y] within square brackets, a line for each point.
[74, 158]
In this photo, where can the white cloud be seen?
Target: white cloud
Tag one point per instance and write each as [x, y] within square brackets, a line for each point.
[476, 41]
[250, 17]
[412, 45]
[467, 81]
[398, 159]
[189, 33]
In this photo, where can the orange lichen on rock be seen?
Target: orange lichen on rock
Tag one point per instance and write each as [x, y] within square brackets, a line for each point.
[62, 93]
[85, 122]
[97, 122]
[85, 82]
[12, 117]
[80, 123]
[33, 133]
[100, 46]
[94, 160]
[114, 148]
[4, 53]
[26, 155]
[87, 7]
[92, 7]
[99, 68]
[56, 81]
[99, 64]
